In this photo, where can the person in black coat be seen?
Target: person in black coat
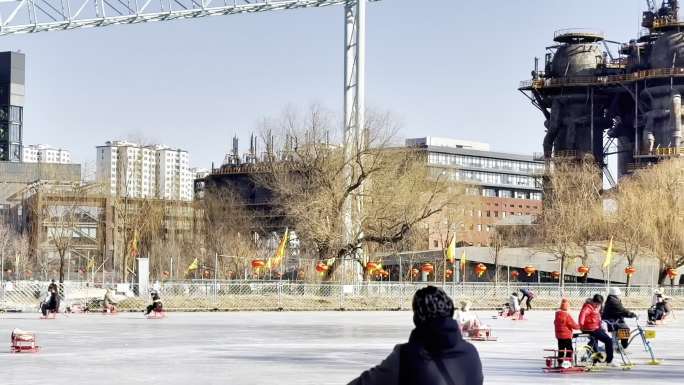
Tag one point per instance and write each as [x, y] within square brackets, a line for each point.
[51, 305]
[614, 313]
[435, 354]
[156, 304]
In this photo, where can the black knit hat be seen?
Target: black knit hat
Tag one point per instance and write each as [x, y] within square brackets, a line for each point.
[431, 303]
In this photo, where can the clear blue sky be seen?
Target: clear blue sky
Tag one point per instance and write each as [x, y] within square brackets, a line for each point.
[443, 67]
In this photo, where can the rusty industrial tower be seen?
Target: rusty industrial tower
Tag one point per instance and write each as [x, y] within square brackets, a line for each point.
[602, 97]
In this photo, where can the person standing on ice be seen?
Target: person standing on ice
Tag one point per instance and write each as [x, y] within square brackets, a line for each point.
[527, 293]
[564, 325]
[435, 354]
[590, 323]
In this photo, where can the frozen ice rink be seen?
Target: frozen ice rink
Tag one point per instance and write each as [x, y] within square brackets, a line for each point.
[283, 348]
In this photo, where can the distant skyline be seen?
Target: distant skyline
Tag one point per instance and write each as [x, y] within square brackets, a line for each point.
[443, 68]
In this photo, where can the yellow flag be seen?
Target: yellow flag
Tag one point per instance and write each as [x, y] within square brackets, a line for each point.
[463, 259]
[609, 254]
[280, 252]
[194, 265]
[450, 252]
[91, 264]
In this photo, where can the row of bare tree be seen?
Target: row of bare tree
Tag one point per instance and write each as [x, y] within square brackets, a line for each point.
[644, 215]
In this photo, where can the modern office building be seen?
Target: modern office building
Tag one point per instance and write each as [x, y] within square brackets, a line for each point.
[137, 171]
[509, 184]
[42, 153]
[12, 65]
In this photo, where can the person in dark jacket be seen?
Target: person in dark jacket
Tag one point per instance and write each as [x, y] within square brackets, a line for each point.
[435, 354]
[51, 305]
[527, 293]
[614, 313]
[52, 286]
[156, 304]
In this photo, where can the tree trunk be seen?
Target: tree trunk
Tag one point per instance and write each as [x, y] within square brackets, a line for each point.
[561, 279]
[662, 276]
[61, 266]
[629, 280]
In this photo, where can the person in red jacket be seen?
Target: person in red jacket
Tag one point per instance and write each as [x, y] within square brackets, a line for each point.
[565, 325]
[590, 323]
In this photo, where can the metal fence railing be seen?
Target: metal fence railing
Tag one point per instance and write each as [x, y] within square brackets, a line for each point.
[26, 296]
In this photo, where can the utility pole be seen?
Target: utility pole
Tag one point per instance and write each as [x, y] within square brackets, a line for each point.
[354, 111]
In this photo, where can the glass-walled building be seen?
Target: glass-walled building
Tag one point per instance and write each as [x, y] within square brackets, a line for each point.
[11, 105]
[510, 184]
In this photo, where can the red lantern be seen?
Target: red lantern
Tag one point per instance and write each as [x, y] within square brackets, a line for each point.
[555, 274]
[321, 267]
[480, 269]
[372, 266]
[530, 270]
[672, 273]
[427, 268]
[258, 264]
[629, 270]
[515, 274]
[583, 270]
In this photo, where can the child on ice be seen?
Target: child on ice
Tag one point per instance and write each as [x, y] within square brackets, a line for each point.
[564, 325]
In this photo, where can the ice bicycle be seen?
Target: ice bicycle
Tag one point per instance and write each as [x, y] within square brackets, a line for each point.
[624, 336]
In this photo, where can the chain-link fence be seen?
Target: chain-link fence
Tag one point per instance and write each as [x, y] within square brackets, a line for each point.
[26, 296]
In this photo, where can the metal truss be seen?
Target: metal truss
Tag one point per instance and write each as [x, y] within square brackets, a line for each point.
[31, 16]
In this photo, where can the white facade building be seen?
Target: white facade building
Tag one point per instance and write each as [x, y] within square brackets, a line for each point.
[174, 180]
[199, 172]
[130, 169]
[43, 153]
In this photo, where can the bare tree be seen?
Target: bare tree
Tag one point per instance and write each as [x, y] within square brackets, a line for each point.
[572, 212]
[315, 180]
[661, 188]
[628, 225]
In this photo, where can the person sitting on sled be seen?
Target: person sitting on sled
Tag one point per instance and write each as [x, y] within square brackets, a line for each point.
[660, 307]
[109, 304]
[51, 305]
[156, 304]
[467, 319]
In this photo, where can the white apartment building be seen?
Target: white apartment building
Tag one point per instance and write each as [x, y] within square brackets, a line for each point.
[174, 180]
[43, 153]
[130, 169]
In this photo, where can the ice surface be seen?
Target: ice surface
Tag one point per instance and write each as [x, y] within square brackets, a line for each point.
[283, 348]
